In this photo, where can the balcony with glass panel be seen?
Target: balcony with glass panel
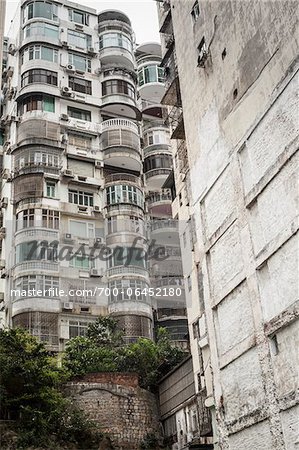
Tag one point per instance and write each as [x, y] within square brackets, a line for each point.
[116, 49]
[119, 98]
[159, 203]
[127, 261]
[124, 227]
[36, 160]
[120, 144]
[156, 139]
[123, 192]
[165, 230]
[157, 167]
[151, 81]
[40, 31]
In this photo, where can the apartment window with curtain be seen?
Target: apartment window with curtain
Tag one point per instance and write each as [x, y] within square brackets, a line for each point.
[80, 262]
[25, 219]
[37, 102]
[80, 40]
[39, 76]
[80, 85]
[81, 63]
[115, 40]
[82, 229]
[157, 162]
[80, 114]
[127, 256]
[39, 52]
[41, 29]
[51, 189]
[118, 87]
[124, 194]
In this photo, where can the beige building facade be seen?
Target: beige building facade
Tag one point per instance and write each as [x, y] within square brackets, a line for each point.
[232, 79]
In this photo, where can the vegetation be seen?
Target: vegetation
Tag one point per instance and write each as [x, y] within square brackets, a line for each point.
[103, 350]
[31, 385]
[30, 394]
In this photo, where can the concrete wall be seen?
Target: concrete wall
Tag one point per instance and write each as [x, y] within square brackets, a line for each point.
[241, 123]
[118, 405]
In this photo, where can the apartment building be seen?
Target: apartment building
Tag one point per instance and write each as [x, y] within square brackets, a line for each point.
[73, 184]
[231, 80]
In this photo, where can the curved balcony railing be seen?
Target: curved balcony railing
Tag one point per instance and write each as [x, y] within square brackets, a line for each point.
[28, 266]
[157, 172]
[119, 123]
[122, 177]
[37, 233]
[37, 168]
[118, 133]
[124, 208]
[158, 198]
[168, 281]
[160, 224]
[120, 270]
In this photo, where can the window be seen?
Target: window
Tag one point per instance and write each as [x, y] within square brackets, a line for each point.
[50, 189]
[80, 141]
[124, 194]
[36, 157]
[78, 17]
[122, 288]
[189, 283]
[80, 85]
[80, 198]
[157, 162]
[41, 9]
[115, 40]
[50, 219]
[156, 137]
[25, 219]
[42, 52]
[151, 74]
[28, 251]
[202, 53]
[127, 256]
[82, 229]
[81, 63]
[77, 328]
[80, 262]
[80, 40]
[118, 87]
[41, 29]
[37, 102]
[195, 11]
[80, 114]
[39, 76]
[46, 283]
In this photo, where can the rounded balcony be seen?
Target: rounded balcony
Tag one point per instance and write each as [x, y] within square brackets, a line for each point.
[120, 144]
[165, 230]
[36, 159]
[119, 98]
[125, 189]
[29, 267]
[114, 19]
[157, 167]
[151, 76]
[156, 139]
[159, 203]
[40, 31]
[36, 233]
[125, 229]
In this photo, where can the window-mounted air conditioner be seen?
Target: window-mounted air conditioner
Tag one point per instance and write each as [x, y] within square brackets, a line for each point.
[68, 305]
[68, 173]
[64, 117]
[99, 164]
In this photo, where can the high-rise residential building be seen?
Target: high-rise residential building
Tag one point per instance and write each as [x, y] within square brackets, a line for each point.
[85, 155]
[231, 82]
[2, 28]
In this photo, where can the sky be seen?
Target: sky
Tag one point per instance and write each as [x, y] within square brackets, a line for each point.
[142, 13]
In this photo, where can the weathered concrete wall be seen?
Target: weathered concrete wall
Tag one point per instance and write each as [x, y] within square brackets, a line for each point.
[118, 405]
[241, 123]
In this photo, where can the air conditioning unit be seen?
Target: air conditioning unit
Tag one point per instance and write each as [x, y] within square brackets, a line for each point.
[65, 90]
[95, 273]
[68, 237]
[4, 202]
[81, 178]
[70, 68]
[2, 264]
[68, 305]
[99, 164]
[68, 173]
[99, 240]
[64, 117]
[90, 50]
[64, 43]
[96, 209]
[79, 26]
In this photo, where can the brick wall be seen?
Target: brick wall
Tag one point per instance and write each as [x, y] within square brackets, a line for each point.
[118, 405]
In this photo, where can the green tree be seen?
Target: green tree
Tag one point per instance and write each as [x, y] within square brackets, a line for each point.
[30, 394]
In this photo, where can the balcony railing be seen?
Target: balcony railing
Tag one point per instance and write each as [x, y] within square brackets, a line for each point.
[168, 281]
[119, 123]
[157, 172]
[36, 266]
[160, 224]
[120, 270]
[123, 177]
[158, 198]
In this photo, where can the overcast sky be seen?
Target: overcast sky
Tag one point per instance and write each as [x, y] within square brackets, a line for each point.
[142, 13]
